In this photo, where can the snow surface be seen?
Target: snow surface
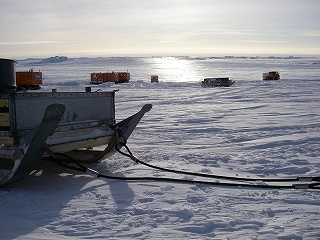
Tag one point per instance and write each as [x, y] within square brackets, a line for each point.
[254, 128]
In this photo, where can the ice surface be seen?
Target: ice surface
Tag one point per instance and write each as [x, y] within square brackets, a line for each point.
[254, 128]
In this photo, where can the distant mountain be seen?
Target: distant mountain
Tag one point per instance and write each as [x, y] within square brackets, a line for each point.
[256, 57]
[55, 59]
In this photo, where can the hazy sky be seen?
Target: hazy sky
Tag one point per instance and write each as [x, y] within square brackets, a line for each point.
[44, 28]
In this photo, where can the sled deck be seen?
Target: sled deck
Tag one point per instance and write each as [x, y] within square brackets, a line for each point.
[78, 124]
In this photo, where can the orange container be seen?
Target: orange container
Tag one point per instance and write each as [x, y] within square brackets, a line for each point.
[29, 79]
[111, 77]
[116, 77]
[123, 77]
[97, 78]
[154, 78]
[271, 76]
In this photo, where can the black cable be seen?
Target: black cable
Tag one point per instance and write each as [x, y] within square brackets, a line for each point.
[295, 179]
[131, 156]
[163, 179]
[90, 171]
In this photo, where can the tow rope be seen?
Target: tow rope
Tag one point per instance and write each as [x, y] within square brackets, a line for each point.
[309, 182]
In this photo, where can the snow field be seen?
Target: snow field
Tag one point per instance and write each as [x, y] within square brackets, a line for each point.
[254, 128]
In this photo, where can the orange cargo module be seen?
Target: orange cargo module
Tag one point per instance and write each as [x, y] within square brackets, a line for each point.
[97, 78]
[154, 78]
[29, 80]
[111, 77]
[116, 77]
[124, 77]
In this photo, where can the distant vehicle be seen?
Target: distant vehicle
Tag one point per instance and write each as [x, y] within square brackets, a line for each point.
[29, 80]
[154, 78]
[116, 77]
[217, 82]
[273, 75]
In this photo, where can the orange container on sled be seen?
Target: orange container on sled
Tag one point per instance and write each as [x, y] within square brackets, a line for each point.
[29, 80]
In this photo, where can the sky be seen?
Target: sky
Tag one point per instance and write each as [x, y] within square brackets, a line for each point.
[88, 28]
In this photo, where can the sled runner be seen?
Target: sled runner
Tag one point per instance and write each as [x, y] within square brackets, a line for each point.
[23, 164]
